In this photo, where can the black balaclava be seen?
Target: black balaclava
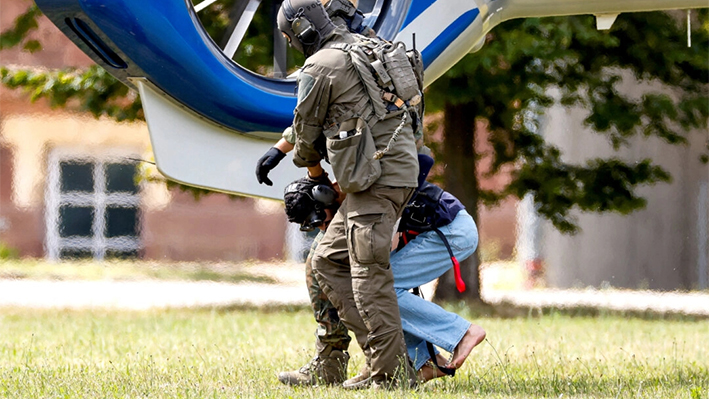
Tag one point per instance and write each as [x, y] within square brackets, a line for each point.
[306, 23]
[306, 200]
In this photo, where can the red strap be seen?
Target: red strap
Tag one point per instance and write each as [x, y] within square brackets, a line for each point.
[459, 284]
[409, 235]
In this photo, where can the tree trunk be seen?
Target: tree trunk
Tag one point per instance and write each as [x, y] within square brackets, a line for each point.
[460, 179]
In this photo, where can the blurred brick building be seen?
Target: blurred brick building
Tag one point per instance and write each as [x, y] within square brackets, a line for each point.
[67, 184]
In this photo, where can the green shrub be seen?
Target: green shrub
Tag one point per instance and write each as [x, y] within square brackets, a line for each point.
[7, 252]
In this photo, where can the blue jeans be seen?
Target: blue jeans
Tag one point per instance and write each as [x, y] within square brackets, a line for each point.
[422, 260]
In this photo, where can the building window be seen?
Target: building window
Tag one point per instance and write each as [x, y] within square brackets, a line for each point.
[92, 207]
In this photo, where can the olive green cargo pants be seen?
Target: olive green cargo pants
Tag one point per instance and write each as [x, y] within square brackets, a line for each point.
[331, 331]
[352, 266]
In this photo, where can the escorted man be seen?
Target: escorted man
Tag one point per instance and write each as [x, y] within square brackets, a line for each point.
[423, 259]
[337, 111]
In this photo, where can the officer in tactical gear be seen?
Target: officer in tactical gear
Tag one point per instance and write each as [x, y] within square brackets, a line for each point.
[342, 13]
[313, 205]
[351, 262]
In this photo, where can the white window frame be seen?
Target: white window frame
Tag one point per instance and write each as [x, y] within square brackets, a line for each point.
[98, 244]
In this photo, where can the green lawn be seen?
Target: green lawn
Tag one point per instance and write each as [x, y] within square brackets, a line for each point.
[237, 353]
[132, 270]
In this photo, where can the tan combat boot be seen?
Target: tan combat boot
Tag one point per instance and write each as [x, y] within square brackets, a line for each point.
[327, 368]
[406, 379]
[362, 380]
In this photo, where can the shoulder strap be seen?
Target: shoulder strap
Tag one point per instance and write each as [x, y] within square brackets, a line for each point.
[459, 283]
[361, 63]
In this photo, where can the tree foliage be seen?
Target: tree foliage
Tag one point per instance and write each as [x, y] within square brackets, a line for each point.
[18, 34]
[528, 65]
[92, 90]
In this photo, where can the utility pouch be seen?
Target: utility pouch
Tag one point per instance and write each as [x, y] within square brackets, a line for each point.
[351, 152]
[401, 72]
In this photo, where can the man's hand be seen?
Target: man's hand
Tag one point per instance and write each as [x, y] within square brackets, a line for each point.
[267, 162]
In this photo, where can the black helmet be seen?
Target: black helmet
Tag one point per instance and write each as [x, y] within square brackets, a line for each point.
[350, 15]
[306, 202]
[306, 24]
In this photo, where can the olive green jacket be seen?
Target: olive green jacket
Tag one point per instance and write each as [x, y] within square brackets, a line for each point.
[328, 88]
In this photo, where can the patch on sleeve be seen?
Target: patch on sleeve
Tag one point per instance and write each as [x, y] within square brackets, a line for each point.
[305, 85]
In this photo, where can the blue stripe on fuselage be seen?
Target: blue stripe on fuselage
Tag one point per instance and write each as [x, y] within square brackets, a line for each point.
[433, 50]
[417, 7]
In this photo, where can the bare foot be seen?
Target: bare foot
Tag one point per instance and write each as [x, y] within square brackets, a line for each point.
[470, 340]
[428, 371]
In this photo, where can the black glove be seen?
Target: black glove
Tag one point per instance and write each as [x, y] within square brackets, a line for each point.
[267, 162]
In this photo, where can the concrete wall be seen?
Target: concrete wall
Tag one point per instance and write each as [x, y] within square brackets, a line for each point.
[663, 246]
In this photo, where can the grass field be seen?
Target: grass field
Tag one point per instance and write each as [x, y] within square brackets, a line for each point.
[123, 270]
[237, 353]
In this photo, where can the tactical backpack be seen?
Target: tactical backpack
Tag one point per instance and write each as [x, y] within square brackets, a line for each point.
[420, 215]
[392, 77]
[391, 84]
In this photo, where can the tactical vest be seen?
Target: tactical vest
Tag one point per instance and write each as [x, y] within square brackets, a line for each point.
[392, 77]
[391, 84]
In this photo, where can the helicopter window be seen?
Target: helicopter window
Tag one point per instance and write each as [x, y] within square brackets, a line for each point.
[246, 32]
